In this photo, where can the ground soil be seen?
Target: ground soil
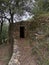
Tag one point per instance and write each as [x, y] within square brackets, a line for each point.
[22, 53]
[26, 57]
[5, 53]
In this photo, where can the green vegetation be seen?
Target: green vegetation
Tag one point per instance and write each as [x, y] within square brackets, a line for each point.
[4, 34]
[41, 6]
[41, 47]
[41, 52]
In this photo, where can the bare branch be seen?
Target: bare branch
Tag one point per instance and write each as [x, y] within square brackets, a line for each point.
[4, 17]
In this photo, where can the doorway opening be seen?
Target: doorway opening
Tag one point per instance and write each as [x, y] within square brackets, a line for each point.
[22, 32]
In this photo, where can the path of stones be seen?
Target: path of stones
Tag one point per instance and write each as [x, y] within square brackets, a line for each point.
[21, 54]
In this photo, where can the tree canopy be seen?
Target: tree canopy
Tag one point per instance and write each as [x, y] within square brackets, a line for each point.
[12, 7]
[41, 6]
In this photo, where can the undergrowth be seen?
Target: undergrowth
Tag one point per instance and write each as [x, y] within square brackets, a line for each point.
[4, 34]
[40, 48]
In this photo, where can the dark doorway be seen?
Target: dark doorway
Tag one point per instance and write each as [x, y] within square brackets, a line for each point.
[21, 32]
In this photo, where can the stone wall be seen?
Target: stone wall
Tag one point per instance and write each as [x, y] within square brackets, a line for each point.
[29, 26]
[17, 29]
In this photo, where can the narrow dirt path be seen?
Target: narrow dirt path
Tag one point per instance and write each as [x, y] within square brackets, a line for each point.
[26, 57]
[22, 53]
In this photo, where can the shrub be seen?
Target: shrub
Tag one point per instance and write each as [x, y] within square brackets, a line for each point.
[4, 34]
[41, 47]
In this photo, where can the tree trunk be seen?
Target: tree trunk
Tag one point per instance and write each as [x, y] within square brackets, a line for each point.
[1, 32]
[11, 39]
[11, 33]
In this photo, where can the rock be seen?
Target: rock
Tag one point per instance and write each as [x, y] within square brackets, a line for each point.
[15, 57]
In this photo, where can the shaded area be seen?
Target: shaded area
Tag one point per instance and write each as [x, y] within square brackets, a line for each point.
[22, 32]
[5, 53]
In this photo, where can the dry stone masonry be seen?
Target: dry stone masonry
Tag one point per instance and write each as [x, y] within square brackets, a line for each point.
[15, 57]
